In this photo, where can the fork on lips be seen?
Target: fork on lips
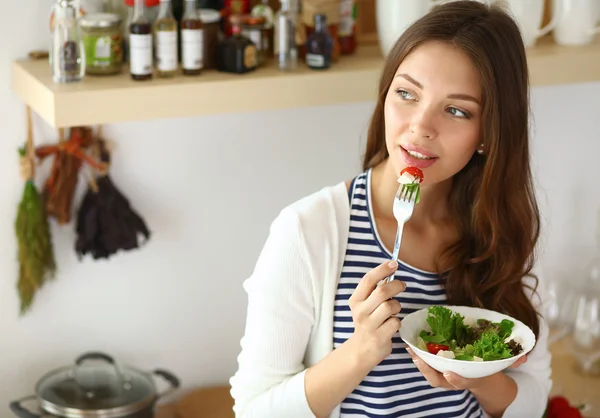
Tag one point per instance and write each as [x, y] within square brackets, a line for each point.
[407, 196]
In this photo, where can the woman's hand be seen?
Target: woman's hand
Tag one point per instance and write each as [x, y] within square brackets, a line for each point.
[451, 380]
[494, 393]
[332, 379]
[374, 313]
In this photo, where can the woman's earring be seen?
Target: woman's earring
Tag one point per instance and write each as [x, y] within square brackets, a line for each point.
[480, 150]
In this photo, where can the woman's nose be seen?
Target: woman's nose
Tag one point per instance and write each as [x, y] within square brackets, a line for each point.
[422, 124]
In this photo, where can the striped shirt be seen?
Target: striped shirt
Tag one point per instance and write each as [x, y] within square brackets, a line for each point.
[395, 387]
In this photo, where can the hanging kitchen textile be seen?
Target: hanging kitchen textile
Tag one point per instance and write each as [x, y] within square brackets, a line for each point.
[68, 156]
[106, 223]
[35, 249]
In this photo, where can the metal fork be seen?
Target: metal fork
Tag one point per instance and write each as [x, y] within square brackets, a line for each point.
[404, 203]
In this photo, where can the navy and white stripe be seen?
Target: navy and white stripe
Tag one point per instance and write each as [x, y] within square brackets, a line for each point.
[395, 387]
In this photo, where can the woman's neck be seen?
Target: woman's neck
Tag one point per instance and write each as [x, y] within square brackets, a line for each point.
[433, 205]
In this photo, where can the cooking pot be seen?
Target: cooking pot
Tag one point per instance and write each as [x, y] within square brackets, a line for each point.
[102, 389]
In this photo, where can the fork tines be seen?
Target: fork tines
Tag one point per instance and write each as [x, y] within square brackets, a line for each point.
[409, 192]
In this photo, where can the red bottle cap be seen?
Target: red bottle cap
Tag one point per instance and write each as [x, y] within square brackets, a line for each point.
[149, 3]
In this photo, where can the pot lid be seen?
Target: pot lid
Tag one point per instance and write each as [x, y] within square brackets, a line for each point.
[95, 389]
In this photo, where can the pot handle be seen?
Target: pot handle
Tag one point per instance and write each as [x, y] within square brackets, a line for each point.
[169, 377]
[97, 355]
[94, 355]
[20, 411]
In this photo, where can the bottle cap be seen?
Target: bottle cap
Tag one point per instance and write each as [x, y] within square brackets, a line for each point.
[147, 3]
[320, 19]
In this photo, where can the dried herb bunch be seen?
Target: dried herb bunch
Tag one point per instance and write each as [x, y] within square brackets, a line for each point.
[35, 250]
[106, 222]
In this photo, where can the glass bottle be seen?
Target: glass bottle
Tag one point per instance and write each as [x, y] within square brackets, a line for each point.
[586, 333]
[67, 54]
[286, 51]
[264, 10]
[140, 44]
[165, 32]
[347, 27]
[150, 10]
[253, 28]
[192, 40]
[319, 45]
[237, 54]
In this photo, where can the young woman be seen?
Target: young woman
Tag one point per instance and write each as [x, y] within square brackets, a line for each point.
[321, 337]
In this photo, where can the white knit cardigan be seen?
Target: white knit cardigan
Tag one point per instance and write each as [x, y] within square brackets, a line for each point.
[289, 324]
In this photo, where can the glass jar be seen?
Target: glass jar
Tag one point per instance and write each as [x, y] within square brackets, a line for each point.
[255, 29]
[67, 54]
[211, 20]
[102, 38]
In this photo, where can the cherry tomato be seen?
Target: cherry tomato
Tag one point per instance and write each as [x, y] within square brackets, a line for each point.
[433, 348]
[415, 172]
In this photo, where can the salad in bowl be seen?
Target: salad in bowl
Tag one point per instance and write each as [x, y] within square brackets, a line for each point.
[471, 342]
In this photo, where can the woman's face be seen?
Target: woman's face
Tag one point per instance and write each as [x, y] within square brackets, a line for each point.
[433, 112]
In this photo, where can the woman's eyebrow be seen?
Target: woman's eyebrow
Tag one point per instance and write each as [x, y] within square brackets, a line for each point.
[412, 80]
[458, 96]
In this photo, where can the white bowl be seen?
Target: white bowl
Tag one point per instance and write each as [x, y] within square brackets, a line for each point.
[414, 323]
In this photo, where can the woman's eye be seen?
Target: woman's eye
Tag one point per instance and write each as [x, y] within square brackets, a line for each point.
[457, 112]
[405, 95]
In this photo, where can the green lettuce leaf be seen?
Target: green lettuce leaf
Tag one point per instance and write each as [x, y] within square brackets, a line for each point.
[491, 347]
[441, 321]
[447, 325]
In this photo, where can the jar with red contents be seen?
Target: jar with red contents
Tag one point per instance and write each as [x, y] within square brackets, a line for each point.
[151, 10]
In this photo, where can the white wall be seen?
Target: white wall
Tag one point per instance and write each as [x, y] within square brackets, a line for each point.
[208, 188]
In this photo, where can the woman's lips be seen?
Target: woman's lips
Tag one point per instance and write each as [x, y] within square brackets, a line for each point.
[420, 150]
[418, 162]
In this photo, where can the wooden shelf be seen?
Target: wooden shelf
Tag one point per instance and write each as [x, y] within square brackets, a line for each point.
[113, 99]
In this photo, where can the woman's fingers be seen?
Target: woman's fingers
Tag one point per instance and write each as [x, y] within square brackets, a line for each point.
[383, 293]
[387, 308]
[369, 281]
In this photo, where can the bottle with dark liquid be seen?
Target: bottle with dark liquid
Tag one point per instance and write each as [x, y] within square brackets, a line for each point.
[237, 53]
[140, 44]
[319, 45]
[192, 40]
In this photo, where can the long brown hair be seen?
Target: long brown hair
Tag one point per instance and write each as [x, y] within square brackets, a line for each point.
[492, 202]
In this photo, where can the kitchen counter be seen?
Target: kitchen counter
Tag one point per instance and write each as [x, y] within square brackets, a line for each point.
[569, 382]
